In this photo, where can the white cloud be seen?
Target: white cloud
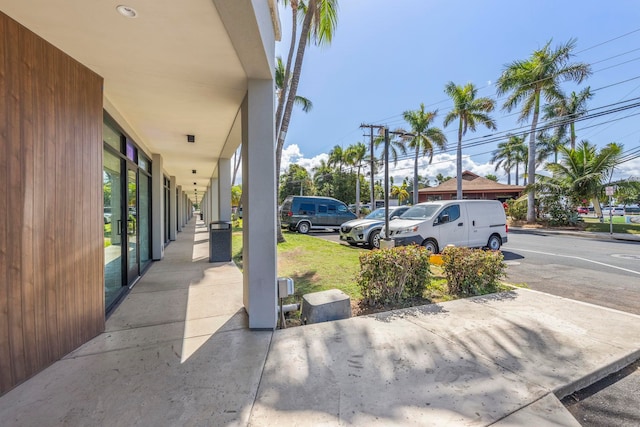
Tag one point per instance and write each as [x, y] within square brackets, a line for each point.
[291, 154]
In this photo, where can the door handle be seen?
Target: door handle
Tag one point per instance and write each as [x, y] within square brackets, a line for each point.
[473, 222]
[460, 224]
[119, 227]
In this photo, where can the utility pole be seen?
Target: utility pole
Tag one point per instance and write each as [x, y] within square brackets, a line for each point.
[372, 186]
[387, 242]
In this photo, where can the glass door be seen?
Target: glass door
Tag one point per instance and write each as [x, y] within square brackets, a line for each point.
[113, 227]
[132, 224]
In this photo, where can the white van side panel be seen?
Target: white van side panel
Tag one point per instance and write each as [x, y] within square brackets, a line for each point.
[485, 219]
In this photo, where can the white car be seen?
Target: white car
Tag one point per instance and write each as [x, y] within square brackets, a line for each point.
[366, 231]
[615, 211]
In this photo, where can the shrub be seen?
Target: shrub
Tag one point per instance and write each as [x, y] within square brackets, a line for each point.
[472, 271]
[394, 274]
[517, 209]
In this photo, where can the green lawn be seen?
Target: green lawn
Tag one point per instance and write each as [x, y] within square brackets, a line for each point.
[619, 225]
[315, 265]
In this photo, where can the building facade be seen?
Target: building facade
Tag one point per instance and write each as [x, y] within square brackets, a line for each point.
[473, 187]
[115, 122]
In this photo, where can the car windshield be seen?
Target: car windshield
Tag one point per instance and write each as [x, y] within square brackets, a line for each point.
[420, 212]
[377, 214]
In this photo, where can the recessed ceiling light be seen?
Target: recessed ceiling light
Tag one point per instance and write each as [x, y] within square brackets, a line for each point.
[126, 11]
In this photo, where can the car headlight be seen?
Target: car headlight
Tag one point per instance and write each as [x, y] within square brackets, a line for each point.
[358, 229]
[408, 230]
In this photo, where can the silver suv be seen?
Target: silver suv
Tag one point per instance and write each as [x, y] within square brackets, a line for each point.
[366, 231]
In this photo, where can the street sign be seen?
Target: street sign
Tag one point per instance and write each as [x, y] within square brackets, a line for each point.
[609, 191]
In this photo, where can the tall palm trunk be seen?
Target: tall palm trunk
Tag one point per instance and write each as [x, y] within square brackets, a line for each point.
[415, 176]
[531, 168]
[572, 127]
[517, 172]
[459, 163]
[508, 176]
[295, 79]
[287, 70]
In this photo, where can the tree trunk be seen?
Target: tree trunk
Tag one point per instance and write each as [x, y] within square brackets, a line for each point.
[287, 70]
[517, 172]
[572, 126]
[508, 176]
[531, 168]
[459, 163]
[415, 177]
[295, 79]
[236, 166]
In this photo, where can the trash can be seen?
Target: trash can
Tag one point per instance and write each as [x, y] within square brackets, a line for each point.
[220, 241]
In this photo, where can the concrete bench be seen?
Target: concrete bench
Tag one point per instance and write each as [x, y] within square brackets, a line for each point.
[325, 306]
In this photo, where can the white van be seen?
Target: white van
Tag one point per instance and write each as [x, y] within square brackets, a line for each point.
[434, 225]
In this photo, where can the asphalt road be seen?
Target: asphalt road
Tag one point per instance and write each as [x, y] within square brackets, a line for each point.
[601, 272]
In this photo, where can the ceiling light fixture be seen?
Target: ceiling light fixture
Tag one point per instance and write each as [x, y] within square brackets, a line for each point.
[126, 11]
[193, 171]
[191, 138]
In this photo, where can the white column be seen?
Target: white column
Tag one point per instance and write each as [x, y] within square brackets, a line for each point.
[173, 217]
[180, 203]
[259, 205]
[224, 189]
[215, 200]
[157, 208]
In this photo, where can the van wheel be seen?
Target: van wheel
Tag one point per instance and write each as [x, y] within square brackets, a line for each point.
[303, 227]
[494, 242]
[374, 240]
[431, 246]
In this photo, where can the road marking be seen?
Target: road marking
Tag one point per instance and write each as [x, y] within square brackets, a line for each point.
[579, 258]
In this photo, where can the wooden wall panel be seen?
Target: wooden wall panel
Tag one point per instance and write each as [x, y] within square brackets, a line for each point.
[51, 245]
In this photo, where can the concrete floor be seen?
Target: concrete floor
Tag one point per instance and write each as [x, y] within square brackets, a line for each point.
[178, 352]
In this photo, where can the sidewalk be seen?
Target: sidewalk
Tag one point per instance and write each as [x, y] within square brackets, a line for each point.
[177, 352]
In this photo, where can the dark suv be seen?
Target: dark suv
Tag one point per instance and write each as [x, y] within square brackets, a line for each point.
[304, 213]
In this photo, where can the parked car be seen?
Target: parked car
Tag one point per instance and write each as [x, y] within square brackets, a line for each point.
[107, 215]
[434, 225]
[304, 213]
[583, 210]
[615, 211]
[366, 231]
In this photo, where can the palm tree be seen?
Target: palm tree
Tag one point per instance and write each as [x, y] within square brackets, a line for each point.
[519, 154]
[504, 157]
[337, 157]
[528, 81]
[423, 138]
[320, 20]
[564, 112]
[356, 155]
[301, 101]
[583, 171]
[547, 145]
[322, 177]
[400, 192]
[470, 111]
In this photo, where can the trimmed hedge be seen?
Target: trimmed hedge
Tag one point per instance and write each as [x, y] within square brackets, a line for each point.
[393, 274]
[472, 271]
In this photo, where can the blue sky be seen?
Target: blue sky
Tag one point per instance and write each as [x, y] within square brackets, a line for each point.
[389, 56]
